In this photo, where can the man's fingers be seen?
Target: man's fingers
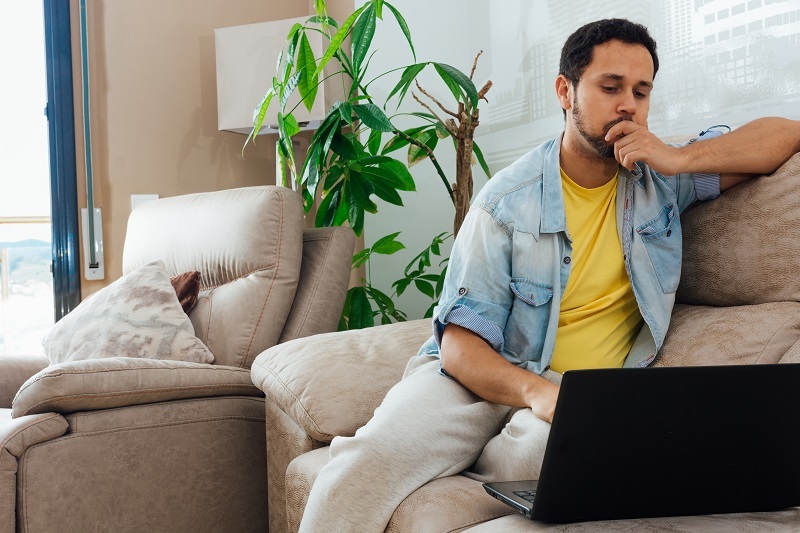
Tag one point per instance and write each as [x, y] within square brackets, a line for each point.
[620, 129]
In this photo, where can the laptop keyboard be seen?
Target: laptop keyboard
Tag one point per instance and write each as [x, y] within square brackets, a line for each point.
[528, 495]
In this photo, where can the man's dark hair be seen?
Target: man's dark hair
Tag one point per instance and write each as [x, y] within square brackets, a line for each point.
[579, 48]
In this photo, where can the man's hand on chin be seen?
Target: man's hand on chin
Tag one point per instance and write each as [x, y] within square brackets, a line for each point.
[636, 143]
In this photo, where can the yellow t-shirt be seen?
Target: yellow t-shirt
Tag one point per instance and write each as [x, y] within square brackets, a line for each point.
[599, 317]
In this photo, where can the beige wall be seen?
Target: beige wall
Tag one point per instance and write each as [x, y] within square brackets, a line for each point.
[154, 106]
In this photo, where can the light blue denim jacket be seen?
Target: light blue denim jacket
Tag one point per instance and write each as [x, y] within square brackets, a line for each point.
[512, 258]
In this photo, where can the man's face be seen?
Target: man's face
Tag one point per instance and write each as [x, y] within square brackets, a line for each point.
[614, 87]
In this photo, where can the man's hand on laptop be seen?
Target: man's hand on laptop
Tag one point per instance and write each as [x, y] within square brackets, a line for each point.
[542, 399]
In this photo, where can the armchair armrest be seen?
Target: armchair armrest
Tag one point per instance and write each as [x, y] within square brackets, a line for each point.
[121, 381]
[16, 436]
[14, 371]
[331, 384]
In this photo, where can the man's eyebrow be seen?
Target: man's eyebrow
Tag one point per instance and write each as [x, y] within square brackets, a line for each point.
[620, 77]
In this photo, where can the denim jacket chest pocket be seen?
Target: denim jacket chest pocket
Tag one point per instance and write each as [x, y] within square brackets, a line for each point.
[662, 239]
[530, 315]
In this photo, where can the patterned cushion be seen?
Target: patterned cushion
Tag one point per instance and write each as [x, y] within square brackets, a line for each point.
[138, 315]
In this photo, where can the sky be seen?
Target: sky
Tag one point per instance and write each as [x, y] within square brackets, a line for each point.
[24, 163]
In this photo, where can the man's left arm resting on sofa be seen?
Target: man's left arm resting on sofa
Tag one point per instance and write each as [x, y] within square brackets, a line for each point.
[756, 148]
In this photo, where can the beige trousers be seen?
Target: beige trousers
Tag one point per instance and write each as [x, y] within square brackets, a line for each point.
[428, 426]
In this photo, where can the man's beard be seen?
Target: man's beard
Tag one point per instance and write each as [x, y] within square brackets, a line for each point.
[598, 142]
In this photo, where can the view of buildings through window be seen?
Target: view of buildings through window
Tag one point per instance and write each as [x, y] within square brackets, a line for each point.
[26, 283]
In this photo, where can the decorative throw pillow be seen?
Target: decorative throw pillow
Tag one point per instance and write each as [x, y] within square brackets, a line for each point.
[138, 315]
[187, 288]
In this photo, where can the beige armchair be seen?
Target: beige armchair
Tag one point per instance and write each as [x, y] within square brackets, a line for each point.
[738, 303]
[122, 444]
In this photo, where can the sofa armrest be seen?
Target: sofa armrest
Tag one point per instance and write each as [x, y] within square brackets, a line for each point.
[331, 384]
[16, 436]
[121, 381]
[14, 371]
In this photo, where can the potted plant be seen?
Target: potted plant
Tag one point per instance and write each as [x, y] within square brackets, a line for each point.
[347, 162]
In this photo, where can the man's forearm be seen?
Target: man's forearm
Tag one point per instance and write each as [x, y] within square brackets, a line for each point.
[758, 147]
[473, 363]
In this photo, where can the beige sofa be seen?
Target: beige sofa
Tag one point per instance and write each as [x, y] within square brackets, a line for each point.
[738, 303]
[122, 444]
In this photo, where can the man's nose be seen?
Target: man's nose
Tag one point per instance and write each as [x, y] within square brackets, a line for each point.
[627, 104]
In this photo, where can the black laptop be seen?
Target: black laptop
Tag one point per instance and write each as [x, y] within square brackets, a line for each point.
[635, 443]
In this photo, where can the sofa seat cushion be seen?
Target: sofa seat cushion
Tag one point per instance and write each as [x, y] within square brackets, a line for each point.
[446, 504]
[772, 522]
[5, 415]
[749, 334]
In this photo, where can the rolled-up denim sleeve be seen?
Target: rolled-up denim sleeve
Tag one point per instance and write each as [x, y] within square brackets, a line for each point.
[476, 293]
[707, 185]
[704, 186]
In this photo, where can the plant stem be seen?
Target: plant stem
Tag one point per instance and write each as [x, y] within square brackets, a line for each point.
[432, 157]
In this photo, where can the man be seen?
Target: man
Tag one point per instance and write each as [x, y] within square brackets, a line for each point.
[569, 258]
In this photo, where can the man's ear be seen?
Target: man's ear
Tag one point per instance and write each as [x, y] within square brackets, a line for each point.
[564, 91]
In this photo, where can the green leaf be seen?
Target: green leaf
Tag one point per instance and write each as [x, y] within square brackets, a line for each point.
[424, 287]
[360, 189]
[385, 192]
[319, 7]
[397, 142]
[429, 312]
[344, 147]
[416, 153]
[363, 32]
[409, 75]
[441, 131]
[479, 155]
[354, 213]
[361, 314]
[280, 60]
[379, 8]
[361, 257]
[291, 125]
[388, 244]
[403, 26]
[259, 113]
[289, 88]
[454, 79]
[440, 283]
[338, 39]
[311, 171]
[328, 207]
[373, 117]
[374, 142]
[306, 65]
[400, 285]
[393, 173]
[324, 20]
[292, 32]
[346, 112]
[343, 209]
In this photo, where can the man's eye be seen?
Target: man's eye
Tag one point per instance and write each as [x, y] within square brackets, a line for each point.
[640, 94]
[609, 89]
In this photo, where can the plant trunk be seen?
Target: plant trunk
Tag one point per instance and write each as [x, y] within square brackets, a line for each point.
[463, 186]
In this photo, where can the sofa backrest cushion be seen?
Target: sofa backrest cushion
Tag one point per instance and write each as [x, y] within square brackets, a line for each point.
[744, 247]
[324, 275]
[247, 245]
